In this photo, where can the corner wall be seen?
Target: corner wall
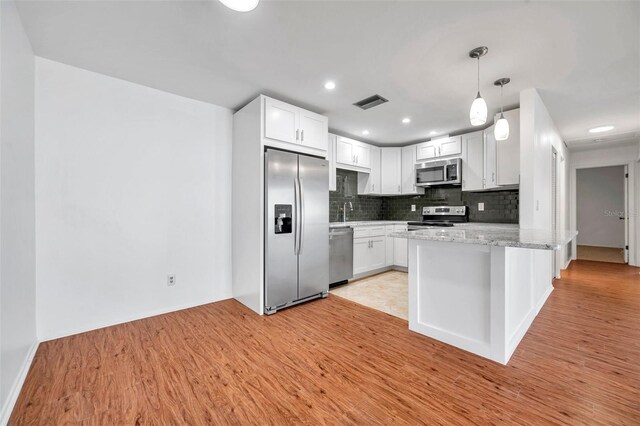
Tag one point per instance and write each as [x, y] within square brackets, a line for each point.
[132, 184]
[17, 208]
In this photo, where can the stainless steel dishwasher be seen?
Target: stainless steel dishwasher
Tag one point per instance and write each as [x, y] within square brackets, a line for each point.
[340, 255]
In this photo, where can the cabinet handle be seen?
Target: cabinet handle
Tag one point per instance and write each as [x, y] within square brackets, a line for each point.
[493, 177]
[373, 186]
[302, 135]
[297, 134]
[399, 190]
[353, 158]
[356, 159]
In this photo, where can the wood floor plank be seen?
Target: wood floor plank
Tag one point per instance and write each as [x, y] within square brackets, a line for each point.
[336, 362]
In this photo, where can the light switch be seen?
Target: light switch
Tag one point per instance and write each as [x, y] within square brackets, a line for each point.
[413, 207]
[480, 207]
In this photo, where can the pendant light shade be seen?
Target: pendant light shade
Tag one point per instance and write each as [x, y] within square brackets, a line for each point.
[240, 5]
[478, 111]
[501, 130]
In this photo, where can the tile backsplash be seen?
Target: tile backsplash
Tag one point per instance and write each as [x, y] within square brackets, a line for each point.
[499, 206]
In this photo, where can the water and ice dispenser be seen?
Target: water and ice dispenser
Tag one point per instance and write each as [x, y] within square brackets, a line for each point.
[282, 215]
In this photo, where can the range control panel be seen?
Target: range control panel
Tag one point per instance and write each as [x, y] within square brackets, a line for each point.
[444, 210]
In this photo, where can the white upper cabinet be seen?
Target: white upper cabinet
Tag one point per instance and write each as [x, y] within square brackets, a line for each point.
[313, 130]
[436, 148]
[391, 171]
[409, 171]
[352, 154]
[473, 161]
[286, 125]
[490, 159]
[369, 183]
[427, 150]
[508, 151]
[331, 157]
[280, 121]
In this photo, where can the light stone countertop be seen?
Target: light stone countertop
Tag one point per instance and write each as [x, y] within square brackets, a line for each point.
[501, 236]
[357, 223]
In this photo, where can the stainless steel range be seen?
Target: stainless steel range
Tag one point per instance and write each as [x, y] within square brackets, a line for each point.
[440, 216]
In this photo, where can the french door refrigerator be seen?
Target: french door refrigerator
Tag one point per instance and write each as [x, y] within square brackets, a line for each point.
[297, 229]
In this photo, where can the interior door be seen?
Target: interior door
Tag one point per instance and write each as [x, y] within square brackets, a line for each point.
[313, 261]
[280, 121]
[313, 130]
[626, 214]
[281, 261]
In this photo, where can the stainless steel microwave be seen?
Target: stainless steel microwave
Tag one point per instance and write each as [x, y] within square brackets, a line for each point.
[445, 172]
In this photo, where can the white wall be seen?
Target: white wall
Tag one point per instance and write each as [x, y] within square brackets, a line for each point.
[600, 201]
[132, 184]
[538, 138]
[611, 156]
[17, 207]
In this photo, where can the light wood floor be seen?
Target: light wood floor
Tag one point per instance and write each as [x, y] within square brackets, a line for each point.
[336, 362]
[601, 254]
[386, 292]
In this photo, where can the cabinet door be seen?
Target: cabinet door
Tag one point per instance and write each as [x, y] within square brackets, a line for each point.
[361, 255]
[376, 172]
[409, 171]
[363, 154]
[313, 130]
[400, 248]
[473, 161]
[391, 170]
[426, 151]
[344, 151]
[508, 152]
[331, 157]
[378, 253]
[490, 159]
[280, 121]
[389, 243]
[450, 146]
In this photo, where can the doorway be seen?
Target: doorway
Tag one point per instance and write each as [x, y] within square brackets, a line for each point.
[602, 214]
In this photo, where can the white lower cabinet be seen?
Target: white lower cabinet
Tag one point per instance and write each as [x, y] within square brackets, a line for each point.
[400, 247]
[374, 249]
[368, 254]
[389, 246]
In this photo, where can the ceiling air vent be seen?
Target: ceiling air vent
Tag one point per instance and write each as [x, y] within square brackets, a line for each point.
[371, 101]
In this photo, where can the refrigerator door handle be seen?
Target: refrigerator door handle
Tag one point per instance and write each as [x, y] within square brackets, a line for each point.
[301, 235]
[296, 202]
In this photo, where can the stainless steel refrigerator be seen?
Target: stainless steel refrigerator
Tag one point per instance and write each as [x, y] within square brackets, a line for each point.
[297, 229]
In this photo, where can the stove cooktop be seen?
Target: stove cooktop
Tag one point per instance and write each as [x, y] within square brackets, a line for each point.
[431, 223]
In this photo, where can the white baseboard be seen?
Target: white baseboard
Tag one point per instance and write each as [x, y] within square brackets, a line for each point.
[17, 386]
[124, 319]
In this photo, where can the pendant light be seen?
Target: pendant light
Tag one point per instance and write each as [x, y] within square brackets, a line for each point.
[501, 131]
[478, 112]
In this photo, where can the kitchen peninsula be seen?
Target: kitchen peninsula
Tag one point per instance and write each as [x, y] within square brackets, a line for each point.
[479, 287]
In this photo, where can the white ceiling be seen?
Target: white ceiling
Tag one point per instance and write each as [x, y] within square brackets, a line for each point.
[584, 57]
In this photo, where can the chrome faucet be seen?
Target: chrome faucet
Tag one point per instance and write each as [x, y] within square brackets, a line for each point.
[344, 210]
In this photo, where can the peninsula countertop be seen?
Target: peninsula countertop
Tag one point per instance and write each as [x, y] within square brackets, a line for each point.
[493, 235]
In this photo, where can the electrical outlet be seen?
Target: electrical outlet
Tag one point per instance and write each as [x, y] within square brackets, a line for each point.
[171, 280]
[413, 207]
[480, 207]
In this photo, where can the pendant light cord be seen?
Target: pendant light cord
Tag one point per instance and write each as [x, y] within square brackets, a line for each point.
[478, 75]
[501, 100]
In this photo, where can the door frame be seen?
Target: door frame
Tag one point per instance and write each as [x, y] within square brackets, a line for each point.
[629, 204]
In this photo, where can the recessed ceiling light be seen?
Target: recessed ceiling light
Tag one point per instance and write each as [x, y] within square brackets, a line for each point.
[600, 129]
[330, 85]
[365, 132]
[406, 120]
[433, 132]
[240, 5]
